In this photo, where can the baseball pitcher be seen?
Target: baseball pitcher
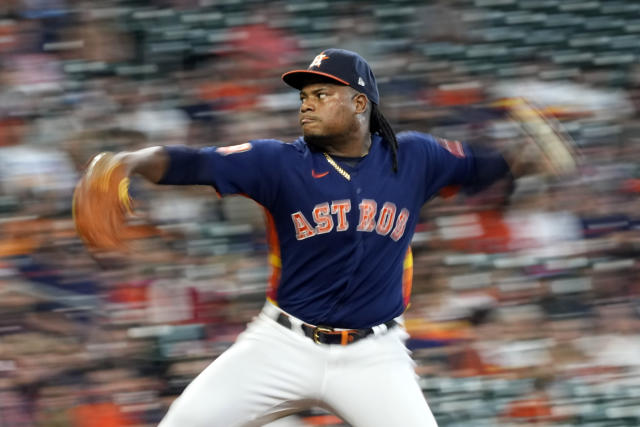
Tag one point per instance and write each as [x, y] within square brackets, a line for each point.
[341, 204]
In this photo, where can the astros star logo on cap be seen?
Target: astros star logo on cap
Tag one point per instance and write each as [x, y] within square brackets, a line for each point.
[318, 60]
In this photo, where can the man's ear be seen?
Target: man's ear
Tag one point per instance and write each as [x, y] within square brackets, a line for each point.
[360, 100]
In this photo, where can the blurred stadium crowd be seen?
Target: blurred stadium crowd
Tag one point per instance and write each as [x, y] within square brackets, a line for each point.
[524, 310]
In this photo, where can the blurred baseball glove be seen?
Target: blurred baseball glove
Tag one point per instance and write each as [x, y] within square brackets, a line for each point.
[545, 142]
[101, 204]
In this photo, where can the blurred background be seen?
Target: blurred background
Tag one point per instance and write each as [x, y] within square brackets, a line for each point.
[524, 311]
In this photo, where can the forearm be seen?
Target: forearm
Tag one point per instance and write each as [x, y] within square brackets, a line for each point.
[489, 166]
[151, 163]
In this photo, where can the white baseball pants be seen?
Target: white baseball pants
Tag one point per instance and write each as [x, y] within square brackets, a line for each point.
[272, 371]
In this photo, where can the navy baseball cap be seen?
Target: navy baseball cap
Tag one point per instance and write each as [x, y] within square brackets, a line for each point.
[342, 66]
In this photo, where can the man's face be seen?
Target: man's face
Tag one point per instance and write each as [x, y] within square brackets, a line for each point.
[327, 111]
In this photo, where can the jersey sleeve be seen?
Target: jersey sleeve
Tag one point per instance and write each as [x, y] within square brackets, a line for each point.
[250, 169]
[453, 164]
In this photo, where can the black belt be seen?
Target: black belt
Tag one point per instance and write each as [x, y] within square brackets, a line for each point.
[328, 335]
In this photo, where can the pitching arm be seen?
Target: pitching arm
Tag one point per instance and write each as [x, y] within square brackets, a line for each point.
[151, 163]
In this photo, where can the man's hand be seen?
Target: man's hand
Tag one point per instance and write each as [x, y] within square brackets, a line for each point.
[545, 150]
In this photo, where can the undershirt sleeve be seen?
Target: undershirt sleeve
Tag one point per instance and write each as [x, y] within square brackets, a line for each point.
[250, 169]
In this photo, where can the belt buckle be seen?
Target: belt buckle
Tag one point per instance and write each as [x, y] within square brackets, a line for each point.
[320, 329]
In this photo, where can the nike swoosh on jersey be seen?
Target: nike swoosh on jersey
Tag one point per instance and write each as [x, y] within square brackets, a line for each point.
[318, 175]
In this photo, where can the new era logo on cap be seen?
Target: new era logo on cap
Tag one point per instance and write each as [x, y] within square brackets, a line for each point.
[342, 66]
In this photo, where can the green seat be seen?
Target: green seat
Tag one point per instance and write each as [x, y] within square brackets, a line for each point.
[626, 42]
[519, 17]
[632, 26]
[442, 50]
[571, 56]
[620, 8]
[539, 5]
[580, 7]
[599, 23]
[501, 34]
[497, 4]
[563, 20]
[545, 37]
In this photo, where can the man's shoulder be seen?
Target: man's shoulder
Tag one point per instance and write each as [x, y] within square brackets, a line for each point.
[267, 142]
[277, 145]
[413, 141]
[414, 137]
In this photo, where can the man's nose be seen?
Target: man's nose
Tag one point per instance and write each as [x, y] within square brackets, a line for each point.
[306, 106]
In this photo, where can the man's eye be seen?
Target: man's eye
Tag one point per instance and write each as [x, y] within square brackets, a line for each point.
[322, 95]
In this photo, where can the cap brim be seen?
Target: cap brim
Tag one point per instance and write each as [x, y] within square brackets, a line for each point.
[298, 78]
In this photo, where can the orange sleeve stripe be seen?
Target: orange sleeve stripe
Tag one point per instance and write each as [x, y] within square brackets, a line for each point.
[407, 277]
[273, 257]
[275, 262]
[449, 191]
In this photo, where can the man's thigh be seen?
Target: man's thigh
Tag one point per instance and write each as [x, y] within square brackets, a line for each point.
[379, 387]
[263, 376]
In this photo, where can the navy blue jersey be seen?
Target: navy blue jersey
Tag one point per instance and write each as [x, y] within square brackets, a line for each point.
[339, 248]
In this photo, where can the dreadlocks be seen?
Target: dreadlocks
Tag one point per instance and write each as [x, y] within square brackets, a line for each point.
[379, 124]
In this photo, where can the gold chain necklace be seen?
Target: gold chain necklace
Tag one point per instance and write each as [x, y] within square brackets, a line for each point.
[333, 163]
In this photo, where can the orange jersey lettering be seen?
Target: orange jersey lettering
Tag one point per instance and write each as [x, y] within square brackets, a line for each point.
[322, 217]
[401, 224]
[368, 210]
[303, 228]
[341, 208]
[385, 220]
[370, 219]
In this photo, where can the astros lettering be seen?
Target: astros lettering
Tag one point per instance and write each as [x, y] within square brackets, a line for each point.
[323, 218]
